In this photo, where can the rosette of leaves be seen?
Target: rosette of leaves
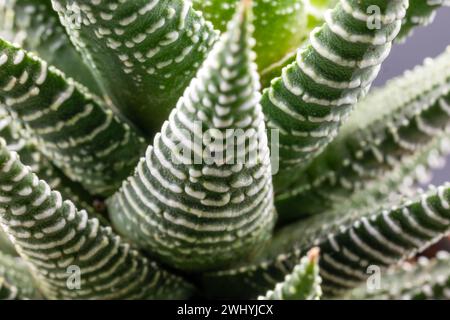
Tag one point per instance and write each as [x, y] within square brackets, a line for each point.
[168, 149]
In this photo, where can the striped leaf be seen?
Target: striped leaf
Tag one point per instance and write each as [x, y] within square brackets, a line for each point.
[34, 26]
[75, 129]
[380, 136]
[16, 276]
[315, 13]
[202, 195]
[307, 104]
[280, 26]
[349, 247]
[17, 141]
[427, 279]
[144, 52]
[65, 250]
[420, 13]
[398, 184]
[302, 284]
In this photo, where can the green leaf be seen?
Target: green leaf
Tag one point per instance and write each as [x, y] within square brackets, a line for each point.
[280, 26]
[18, 141]
[390, 126]
[15, 273]
[400, 183]
[348, 246]
[7, 291]
[302, 284]
[307, 104]
[427, 279]
[200, 203]
[61, 245]
[34, 26]
[420, 13]
[75, 129]
[144, 52]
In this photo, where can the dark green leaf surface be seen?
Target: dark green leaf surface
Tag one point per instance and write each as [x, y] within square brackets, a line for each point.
[75, 129]
[144, 52]
[392, 125]
[17, 140]
[58, 241]
[314, 11]
[302, 284]
[308, 103]
[197, 203]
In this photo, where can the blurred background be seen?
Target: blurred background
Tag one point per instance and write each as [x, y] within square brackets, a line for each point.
[426, 42]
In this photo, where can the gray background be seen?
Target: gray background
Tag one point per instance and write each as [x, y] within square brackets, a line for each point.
[426, 41]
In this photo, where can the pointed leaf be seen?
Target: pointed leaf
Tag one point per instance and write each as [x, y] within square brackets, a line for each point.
[314, 11]
[381, 134]
[198, 202]
[57, 241]
[15, 273]
[307, 104]
[144, 52]
[348, 247]
[75, 129]
[34, 26]
[17, 141]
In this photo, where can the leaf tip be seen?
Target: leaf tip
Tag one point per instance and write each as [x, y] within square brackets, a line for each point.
[313, 254]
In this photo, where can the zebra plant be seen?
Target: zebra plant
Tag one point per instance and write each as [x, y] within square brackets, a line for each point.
[169, 149]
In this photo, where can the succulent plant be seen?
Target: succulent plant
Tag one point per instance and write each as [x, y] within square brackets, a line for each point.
[169, 149]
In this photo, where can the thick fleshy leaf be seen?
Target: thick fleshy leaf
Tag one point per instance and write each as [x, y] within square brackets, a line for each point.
[75, 129]
[16, 275]
[144, 52]
[308, 103]
[17, 140]
[315, 13]
[420, 13]
[427, 279]
[280, 26]
[198, 202]
[302, 284]
[66, 250]
[390, 126]
[348, 246]
[34, 26]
